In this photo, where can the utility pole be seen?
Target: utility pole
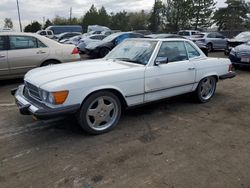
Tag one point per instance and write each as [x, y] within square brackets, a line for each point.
[19, 16]
[70, 14]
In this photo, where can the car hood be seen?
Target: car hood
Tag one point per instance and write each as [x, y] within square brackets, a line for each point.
[95, 44]
[242, 47]
[43, 75]
[237, 40]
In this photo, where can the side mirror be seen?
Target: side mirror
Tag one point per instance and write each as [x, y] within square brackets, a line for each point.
[161, 60]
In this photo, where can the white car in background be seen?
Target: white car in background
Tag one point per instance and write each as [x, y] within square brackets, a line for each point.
[21, 52]
[135, 72]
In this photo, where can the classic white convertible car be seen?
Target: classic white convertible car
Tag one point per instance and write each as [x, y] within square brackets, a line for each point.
[137, 71]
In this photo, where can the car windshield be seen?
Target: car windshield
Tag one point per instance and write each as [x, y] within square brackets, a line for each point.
[184, 33]
[75, 38]
[244, 35]
[111, 37]
[133, 51]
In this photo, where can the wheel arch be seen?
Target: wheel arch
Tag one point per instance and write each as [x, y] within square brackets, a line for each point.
[113, 90]
[215, 75]
[47, 60]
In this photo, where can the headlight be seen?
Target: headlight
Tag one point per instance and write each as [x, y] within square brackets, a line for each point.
[57, 97]
[233, 52]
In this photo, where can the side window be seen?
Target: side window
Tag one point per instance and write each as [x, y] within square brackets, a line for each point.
[211, 35]
[220, 36]
[22, 42]
[49, 32]
[43, 33]
[2, 43]
[194, 33]
[192, 52]
[174, 51]
[40, 44]
[94, 37]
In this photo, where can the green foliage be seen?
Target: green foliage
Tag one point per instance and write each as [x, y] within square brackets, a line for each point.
[155, 20]
[47, 24]
[233, 17]
[120, 21]
[138, 20]
[202, 13]
[8, 23]
[33, 27]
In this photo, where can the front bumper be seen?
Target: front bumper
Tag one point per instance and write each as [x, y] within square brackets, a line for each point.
[228, 75]
[28, 106]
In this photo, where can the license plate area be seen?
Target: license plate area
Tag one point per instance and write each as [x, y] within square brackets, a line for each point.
[245, 59]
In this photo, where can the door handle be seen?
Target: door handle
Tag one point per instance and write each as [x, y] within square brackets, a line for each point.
[191, 68]
[1, 56]
[40, 52]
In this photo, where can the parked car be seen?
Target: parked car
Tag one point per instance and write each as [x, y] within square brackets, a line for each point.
[240, 55]
[73, 40]
[87, 40]
[136, 72]
[97, 28]
[20, 52]
[166, 35]
[109, 32]
[58, 29]
[188, 33]
[236, 41]
[103, 47]
[46, 33]
[67, 35]
[212, 40]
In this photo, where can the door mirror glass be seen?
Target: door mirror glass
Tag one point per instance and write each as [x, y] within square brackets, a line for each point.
[161, 60]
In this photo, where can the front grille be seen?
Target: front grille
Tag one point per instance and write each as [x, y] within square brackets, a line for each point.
[32, 90]
[243, 54]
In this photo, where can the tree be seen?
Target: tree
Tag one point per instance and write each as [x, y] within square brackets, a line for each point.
[119, 21]
[202, 13]
[155, 20]
[138, 20]
[234, 16]
[33, 27]
[103, 17]
[8, 23]
[91, 17]
[47, 24]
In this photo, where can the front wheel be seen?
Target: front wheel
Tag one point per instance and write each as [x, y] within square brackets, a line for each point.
[100, 112]
[209, 47]
[206, 89]
[103, 52]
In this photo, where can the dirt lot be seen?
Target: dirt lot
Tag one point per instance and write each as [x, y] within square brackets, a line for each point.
[175, 143]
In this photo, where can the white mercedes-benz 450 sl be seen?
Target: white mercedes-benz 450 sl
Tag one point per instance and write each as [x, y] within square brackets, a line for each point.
[136, 72]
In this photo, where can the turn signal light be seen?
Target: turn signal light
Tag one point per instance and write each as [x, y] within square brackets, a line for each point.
[60, 96]
[75, 51]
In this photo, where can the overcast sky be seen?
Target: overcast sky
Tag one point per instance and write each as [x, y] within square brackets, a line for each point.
[37, 9]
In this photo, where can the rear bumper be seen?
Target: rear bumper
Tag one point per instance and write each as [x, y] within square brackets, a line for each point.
[228, 75]
[39, 110]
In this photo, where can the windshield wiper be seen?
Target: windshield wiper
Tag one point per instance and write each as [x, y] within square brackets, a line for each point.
[130, 60]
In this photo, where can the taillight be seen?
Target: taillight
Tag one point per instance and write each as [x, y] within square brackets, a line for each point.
[75, 51]
[231, 68]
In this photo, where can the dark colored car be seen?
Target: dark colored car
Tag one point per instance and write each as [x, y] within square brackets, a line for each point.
[240, 55]
[67, 35]
[236, 41]
[166, 35]
[102, 48]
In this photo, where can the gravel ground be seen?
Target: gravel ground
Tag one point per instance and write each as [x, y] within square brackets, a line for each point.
[174, 143]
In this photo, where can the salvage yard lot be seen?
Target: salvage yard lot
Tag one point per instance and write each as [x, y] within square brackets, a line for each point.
[174, 143]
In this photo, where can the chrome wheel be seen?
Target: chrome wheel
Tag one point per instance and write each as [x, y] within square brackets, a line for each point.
[102, 113]
[207, 88]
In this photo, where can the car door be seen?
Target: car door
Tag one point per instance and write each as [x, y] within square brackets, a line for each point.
[4, 67]
[177, 76]
[211, 38]
[25, 53]
[221, 40]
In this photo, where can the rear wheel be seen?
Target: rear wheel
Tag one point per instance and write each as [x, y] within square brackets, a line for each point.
[103, 52]
[209, 47]
[50, 62]
[100, 112]
[206, 89]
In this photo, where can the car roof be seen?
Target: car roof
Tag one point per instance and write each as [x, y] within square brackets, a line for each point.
[19, 33]
[161, 39]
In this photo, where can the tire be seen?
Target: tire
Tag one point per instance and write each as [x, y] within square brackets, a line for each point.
[209, 47]
[206, 89]
[49, 62]
[103, 52]
[100, 113]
